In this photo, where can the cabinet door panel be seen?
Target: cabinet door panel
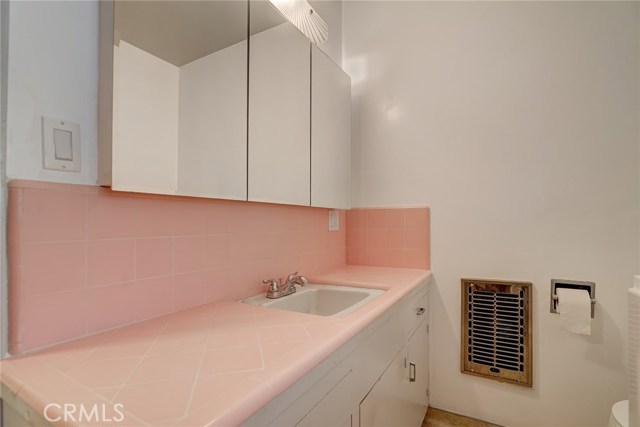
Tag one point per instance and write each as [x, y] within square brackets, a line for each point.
[330, 133]
[418, 354]
[396, 400]
[173, 97]
[279, 103]
[388, 403]
[334, 409]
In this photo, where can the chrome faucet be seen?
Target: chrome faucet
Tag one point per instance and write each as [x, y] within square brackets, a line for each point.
[279, 289]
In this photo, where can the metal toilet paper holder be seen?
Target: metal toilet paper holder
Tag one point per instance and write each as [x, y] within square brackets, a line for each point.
[572, 284]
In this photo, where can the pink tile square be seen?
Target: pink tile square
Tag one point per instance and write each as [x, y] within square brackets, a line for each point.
[189, 218]
[231, 360]
[376, 238]
[53, 318]
[154, 257]
[394, 218]
[293, 332]
[416, 238]
[416, 218]
[235, 337]
[15, 221]
[191, 290]
[216, 251]
[358, 256]
[250, 247]
[170, 400]
[416, 259]
[337, 239]
[53, 267]
[357, 237]
[169, 367]
[154, 297]
[394, 239]
[104, 373]
[110, 306]
[154, 217]
[376, 256]
[269, 218]
[111, 216]
[54, 215]
[394, 258]
[376, 218]
[189, 253]
[217, 282]
[109, 261]
[16, 306]
[356, 218]
[210, 388]
[217, 217]
[241, 217]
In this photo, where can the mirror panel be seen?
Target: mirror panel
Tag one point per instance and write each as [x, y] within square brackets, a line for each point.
[180, 97]
[279, 103]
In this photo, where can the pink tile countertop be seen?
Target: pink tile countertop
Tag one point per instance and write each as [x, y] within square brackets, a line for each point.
[214, 364]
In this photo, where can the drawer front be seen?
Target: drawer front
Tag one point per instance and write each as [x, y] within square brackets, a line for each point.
[416, 312]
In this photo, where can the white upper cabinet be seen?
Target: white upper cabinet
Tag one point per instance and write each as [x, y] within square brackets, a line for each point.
[279, 103]
[223, 99]
[173, 97]
[330, 133]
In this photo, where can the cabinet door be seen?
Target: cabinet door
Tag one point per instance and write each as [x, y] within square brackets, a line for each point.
[279, 103]
[399, 398]
[330, 133]
[334, 410]
[418, 361]
[388, 402]
[173, 97]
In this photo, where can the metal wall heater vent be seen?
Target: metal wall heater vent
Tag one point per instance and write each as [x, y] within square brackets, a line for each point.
[496, 330]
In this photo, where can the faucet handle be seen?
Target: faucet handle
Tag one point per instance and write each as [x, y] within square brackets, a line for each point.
[291, 277]
[273, 284]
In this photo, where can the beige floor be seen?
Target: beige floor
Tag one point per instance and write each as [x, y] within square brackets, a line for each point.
[438, 418]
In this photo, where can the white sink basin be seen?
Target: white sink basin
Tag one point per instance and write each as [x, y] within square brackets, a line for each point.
[321, 300]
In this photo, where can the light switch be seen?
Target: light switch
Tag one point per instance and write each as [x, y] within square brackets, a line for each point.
[60, 145]
[63, 145]
[334, 220]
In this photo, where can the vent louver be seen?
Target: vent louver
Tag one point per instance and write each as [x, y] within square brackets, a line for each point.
[496, 335]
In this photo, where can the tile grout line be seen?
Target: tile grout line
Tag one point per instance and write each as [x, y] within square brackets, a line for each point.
[197, 377]
[135, 368]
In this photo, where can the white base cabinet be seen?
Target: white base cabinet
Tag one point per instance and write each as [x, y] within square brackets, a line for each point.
[379, 378]
[400, 398]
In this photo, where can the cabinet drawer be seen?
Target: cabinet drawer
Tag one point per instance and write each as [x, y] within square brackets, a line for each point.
[416, 311]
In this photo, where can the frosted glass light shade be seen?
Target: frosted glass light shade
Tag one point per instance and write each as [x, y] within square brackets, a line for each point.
[304, 17]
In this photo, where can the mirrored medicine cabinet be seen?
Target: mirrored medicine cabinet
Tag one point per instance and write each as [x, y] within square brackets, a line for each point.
[220, 99]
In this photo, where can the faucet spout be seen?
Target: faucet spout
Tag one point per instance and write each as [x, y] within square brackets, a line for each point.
[285, 288]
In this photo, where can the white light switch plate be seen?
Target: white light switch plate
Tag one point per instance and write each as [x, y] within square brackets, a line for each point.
[60, 145]
[334, 220]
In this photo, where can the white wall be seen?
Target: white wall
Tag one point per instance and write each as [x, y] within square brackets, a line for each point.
[331, 12]
[52, 71]
[517, 122]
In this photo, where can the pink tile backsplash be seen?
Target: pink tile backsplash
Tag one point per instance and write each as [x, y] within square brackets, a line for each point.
[389, 237]
[84, 259]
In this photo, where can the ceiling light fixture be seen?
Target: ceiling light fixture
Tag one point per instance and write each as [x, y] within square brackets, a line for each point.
[304, 17]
